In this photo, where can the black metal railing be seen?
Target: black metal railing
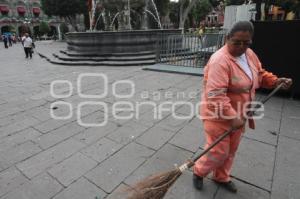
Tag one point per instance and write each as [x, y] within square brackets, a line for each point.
[188, 50]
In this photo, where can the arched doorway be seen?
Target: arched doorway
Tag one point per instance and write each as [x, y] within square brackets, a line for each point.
[4, 29]
[52, 32]
[23, 29]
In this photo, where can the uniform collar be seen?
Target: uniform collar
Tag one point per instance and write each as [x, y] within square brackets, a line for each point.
[232, 57]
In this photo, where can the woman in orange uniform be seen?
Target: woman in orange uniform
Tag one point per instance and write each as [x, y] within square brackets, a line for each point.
[231, 77]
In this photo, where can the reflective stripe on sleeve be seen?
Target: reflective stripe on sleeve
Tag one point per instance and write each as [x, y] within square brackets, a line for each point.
[216, 92]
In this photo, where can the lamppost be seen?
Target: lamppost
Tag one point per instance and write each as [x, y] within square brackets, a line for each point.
[27, 21]
[27, 7]
[129, 17]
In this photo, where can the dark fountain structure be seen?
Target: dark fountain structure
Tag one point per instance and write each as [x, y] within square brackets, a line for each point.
[126, 46]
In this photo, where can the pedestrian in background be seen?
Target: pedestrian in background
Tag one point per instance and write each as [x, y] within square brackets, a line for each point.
[5, 40]
[28, 45]
[9, 40]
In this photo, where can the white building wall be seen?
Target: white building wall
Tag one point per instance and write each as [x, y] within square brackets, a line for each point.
[230, 16]
[244, 12]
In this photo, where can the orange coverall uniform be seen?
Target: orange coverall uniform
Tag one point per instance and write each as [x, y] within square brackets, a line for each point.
[227, 88]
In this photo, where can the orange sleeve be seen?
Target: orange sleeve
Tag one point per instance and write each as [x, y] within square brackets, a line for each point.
[216, 91]
[267, 79]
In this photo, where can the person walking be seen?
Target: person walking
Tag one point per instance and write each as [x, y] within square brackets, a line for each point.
[5, 40]
[10, 40]
[231, 76]
[28, 45]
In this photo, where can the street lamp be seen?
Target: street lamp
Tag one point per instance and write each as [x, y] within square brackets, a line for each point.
[27, 3]
[27, 23]
[129, 17]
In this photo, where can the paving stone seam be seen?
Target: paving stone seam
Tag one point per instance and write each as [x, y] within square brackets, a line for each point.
[249, 183]
[171, 166]
[262, 142]
[37, 130]
[44, 149]
[13, 166]
[54, 178]
[290, 138]
[133, 141]
[98, 163]
[49, 167]
[216, 192]
[22, 111]
[20, 143]
[27, 157]
[96, 185]
[277, 142]
[64, 124]
[93, 142]
[139, 166]
[16, 132]
[83, 175]
[21, 172]
[174, 134]
[183, 148]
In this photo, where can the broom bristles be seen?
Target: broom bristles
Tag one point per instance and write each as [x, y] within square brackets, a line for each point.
[155, 186]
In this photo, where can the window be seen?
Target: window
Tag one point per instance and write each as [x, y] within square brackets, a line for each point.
[21, 10]
[4, 9]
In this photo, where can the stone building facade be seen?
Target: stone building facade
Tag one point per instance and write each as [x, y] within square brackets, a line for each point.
[19, 16]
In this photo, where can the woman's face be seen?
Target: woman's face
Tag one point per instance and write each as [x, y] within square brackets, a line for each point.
[239, 42]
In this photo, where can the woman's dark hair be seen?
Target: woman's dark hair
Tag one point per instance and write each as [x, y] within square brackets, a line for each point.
[245, 26]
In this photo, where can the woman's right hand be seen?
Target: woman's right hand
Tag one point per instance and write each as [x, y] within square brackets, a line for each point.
[237, 123]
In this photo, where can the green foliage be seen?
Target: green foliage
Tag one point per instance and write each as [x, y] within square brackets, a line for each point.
[44, 28]
[162, 6]
[174, 13]
[12, 29]
[289, 5]
[202, 8]
[120, 4]
[234, 2]
[64, 8]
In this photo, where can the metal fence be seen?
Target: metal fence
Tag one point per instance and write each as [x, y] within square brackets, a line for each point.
[188, 50]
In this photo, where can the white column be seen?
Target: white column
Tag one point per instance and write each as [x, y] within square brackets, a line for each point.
[59, 33]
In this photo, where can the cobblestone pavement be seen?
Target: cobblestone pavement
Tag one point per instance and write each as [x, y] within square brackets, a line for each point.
[43, 158]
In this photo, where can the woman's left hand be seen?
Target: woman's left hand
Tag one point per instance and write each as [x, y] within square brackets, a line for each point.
[287, 82]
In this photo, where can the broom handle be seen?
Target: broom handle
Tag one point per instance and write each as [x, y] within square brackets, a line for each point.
[231, 130]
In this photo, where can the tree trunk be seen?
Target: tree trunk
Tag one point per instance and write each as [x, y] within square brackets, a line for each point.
[181, 21]
[72, 19]
[145, 24]
[104, 18]
[258, 10]
[267, 6]
[184, 14]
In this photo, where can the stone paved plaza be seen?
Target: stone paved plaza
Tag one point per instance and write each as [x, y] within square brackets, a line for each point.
[43, 158]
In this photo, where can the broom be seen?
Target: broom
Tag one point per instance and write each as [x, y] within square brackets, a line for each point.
[156, 186]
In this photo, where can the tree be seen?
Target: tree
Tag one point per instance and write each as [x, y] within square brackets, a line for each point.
[201, 9]
[67, 9]
[289, 5]
[174, 14]
[44, 28]
[186, 7]
[162, 6]
[234, 2]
